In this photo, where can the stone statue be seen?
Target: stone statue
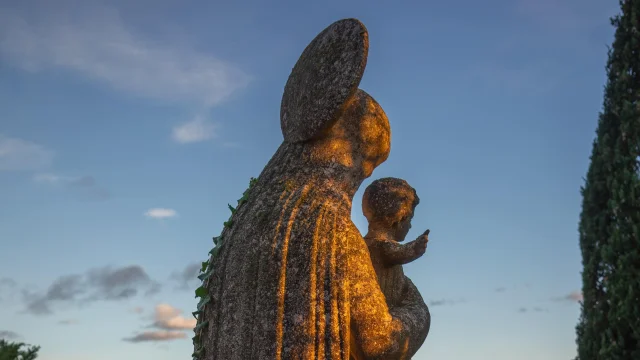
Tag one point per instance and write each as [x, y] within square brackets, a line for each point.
[293, 278]
[389, 205]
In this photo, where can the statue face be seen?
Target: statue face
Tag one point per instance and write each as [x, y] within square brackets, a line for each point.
[373, 137]
[403, 227]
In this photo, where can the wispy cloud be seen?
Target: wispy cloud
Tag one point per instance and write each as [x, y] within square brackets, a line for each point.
[85, 181]
[160, 213]
[231, 144]
[524, 78]
[170, 323]
[443, 302]
[93, 41]
[6, 282]
[512, 288]
[8, 288]
[49, 178]
[574, 296]
[187, 276]
[156, 336]
[196, 130]
[68, 322]
[101, 284]
[536, 309]
[8, 335]
[137, 310]
[555, 34]
[565, 16]
[85, 185]
[22, 155]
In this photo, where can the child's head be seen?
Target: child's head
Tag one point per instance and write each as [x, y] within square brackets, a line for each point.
[389, 203]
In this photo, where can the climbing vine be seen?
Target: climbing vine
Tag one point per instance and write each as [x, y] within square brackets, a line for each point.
[205, 273]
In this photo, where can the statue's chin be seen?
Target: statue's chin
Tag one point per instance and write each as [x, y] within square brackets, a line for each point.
[367, 169]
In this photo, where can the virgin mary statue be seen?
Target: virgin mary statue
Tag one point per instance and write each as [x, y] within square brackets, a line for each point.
[293, 278]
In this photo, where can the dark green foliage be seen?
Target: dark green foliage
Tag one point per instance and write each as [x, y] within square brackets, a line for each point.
[609, 326]
[201, 291]
[15, 351]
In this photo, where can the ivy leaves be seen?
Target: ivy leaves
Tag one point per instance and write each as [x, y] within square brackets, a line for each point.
[206, 270]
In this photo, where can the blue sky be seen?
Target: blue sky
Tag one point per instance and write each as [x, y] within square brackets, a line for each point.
[126, 128]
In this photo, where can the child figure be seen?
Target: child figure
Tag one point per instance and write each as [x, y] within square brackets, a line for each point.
[388, 204]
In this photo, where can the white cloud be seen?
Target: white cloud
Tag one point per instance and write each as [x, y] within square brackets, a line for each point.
[97, 44]
[165, 311]
[195, 130]
[160, 213]
[50, 178]
[19, 155]
[168, 318]
[169, 321]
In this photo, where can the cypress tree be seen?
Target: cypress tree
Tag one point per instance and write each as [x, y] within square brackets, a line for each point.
[609, 325]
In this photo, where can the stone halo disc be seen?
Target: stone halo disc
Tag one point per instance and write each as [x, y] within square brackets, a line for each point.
[325, 77]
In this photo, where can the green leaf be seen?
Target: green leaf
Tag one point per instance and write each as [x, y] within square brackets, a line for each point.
[233, 210]
[214, 252]
[198, 353]
[204, 301]
[228, 223]
[201, 292]
[205, 264]
[205, 276]
[196, 313]
[216, 239]
[196, 339]
[201, 325]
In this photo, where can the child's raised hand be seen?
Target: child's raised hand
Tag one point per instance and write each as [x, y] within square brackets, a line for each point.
[422, 241]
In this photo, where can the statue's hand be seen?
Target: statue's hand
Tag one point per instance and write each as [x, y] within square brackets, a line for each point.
[421, 243]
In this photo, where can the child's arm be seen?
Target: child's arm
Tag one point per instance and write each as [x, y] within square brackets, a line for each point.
[394, 253]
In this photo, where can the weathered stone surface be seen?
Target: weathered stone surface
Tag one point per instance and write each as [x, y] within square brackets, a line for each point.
[389, 205]
[388, 200]
[293, 278]
[327, 73]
